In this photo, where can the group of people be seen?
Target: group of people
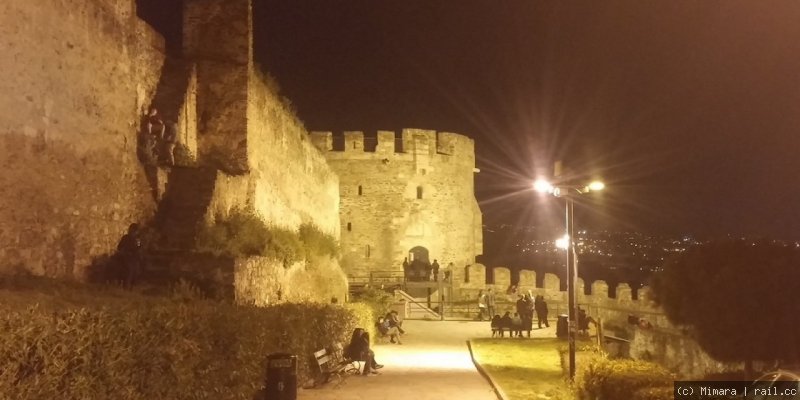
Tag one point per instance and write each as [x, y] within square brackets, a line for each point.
[522, 320]
[159, 138]
[391, 326]
[424, 271]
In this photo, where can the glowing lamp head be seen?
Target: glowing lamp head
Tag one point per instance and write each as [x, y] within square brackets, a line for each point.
[543, 186]
[596, 186]
[563, 242]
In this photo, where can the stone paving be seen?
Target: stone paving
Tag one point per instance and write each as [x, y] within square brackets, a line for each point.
[433, 363]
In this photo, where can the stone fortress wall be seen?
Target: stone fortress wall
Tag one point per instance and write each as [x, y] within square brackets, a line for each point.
[77, 75]
[402, 193]
[269, 163]
[266, 162]
[80, 76]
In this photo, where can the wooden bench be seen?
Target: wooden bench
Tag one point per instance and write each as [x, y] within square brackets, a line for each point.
[610, 338]
[351, 366]
[333, 364]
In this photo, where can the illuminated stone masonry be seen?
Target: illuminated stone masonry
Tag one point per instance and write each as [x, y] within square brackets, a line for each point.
[411, 196]
[83, 73]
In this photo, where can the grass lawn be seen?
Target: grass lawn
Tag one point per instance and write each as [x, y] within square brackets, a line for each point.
[524, 368]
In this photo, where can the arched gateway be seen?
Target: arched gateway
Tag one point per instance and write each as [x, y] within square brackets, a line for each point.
[419, 267]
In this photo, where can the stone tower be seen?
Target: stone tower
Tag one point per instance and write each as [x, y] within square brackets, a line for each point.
[411, 196]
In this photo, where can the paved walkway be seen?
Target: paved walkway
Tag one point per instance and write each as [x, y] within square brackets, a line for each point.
[433, 363]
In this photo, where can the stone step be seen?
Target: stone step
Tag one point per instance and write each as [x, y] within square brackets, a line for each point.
[183, 209]
[213, 275]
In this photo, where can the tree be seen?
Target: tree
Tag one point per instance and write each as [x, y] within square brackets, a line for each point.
[741, 300]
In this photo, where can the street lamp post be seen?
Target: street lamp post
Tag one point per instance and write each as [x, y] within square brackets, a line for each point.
[572, 273]
[568, 193]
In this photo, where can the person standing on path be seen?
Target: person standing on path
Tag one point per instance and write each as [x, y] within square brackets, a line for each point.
[541, 311]
[490, 301]
[482, 305]
[435, 268]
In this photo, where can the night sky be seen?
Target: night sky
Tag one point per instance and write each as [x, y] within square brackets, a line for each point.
[689, 110]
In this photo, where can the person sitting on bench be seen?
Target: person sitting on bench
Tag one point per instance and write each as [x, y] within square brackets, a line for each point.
[384, 327]
[497, 330]
[394, 321]
[506, 324]
[358, 350]
[516, 326]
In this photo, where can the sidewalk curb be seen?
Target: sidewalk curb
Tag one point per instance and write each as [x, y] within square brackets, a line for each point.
[497, 389]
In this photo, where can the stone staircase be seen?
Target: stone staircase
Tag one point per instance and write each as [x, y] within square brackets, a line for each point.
[183, 209]
[416, 309]
[180, 216]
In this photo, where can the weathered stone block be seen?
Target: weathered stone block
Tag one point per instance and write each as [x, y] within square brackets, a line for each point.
[527, 279]
[502, 277]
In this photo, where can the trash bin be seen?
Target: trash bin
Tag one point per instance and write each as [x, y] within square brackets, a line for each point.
[281, 382]
[562, 326]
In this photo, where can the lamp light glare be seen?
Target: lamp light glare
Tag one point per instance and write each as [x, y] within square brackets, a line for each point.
[543, 186]
[563, 242]
[596, 186]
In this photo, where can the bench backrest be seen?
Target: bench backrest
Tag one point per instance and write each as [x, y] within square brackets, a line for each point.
[322, 357]
[338, 350]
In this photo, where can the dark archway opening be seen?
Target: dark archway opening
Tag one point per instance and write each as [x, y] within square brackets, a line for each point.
[419, 268]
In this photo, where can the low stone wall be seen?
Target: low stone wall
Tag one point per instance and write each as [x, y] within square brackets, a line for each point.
[262, 281]
[677, 351]
[256, 280]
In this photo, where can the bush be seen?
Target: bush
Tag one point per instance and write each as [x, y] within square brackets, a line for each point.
[609, 379]
[365, 317]
[244, 234]
[81, 343]
[317, 243]
[285, 246]
[655, 393]
[378, 301]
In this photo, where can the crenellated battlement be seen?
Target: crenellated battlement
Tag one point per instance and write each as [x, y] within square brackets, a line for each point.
[409, 141]
[599, 299]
